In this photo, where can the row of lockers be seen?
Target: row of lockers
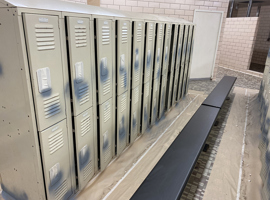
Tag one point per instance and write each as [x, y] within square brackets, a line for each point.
[96, 82]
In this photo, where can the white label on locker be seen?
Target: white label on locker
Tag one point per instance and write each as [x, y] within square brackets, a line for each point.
[44, 79]
[105, 22]
[79, 72]
[122, 62]
[139, 24]
[55, 128]
[54, 173]
[80, 21]
[43, 20]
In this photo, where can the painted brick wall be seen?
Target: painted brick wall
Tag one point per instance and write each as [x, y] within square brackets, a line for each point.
[262, 45]
[173, 8]
[238, 42]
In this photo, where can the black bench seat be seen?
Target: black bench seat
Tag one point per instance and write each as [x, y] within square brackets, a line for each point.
[169, 177]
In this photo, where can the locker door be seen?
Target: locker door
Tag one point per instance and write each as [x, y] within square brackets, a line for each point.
[137, 54]
[154, 106]
[162, 96]
[135, 114]
[159, 52]
[56, 164]
[190, 57]
[123, 55]
[122, 122]
[182, 63]
[187, 60]
[166, 52]
[104, 51]
[85, 151]
[106, 133]
[171, 66]
[44, 54]
[149, 50]
[145, 107]
[177, 65]
[80, 64]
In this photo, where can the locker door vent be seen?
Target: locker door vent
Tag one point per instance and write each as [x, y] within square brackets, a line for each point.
[107, 113]
[56, 141]
[85, 125]
[160, 33]
[80, 36]
[61, 191]
[137, 75]
[123, 80]
[151, 33]
[52, 106]
[87, 170]
[106, 87]
[44, 37]
[84, 94]
[136, 95]
[139, 34]
[123, 103]
[124, 34]
[107, 154]
[105, 35]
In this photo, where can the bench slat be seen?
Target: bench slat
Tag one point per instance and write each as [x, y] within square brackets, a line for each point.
[168, 178]
[217, 97]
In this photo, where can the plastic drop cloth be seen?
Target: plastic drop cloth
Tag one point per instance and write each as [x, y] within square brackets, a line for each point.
[125, 174]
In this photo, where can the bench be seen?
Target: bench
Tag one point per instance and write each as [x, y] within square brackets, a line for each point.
[169, 177]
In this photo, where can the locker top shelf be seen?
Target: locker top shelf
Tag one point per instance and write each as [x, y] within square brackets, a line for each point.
[61, 6]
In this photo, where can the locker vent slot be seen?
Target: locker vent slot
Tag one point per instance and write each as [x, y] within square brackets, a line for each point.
[87, 170]
[160, 33]
[61, 191]
[148, 72]
[136, 95]
[56, 141]
[85, 125]
[107, 113]
[52, 106]
[105, 35]
[107, 154]
[106, 87]
[151, 33]
[84, 94]
[137, 76]
[123, 80]
[80, 36]
[123, 103]
[139, 34]
[124, 34]
[147, 90]
[44, 37]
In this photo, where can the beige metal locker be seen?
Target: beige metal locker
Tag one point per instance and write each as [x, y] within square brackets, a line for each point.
[104, 51]
[122, 122]
[85, 147]
[182, 63]
[162, 96]
[149, 50]
[155, 95]
[123, 55]
[166, 50]
[55, 157]
[135, 114]
[192, 27]
[80, 63]
[171, 66]
[145, 107]
[177, 65]
[187, 60]
[106, 136]
[44, 53]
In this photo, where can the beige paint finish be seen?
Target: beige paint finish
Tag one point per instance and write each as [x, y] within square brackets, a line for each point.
[135, 113]
[44, 53]
[167, 44]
